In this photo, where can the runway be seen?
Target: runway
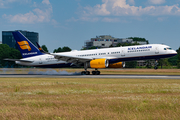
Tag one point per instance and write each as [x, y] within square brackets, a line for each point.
[91, 76]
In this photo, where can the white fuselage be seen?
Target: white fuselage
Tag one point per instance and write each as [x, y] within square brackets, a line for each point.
[116, 54]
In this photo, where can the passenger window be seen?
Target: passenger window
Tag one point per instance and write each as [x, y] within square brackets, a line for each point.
[164, 48]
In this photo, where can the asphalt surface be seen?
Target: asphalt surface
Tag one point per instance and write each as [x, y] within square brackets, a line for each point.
[89, 76]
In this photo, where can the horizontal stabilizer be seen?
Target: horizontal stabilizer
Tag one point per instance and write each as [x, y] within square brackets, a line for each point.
[41, 50]
[20, 60]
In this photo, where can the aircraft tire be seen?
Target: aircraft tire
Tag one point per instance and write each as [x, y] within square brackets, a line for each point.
[155, 67]
[87, 72]
[96, 72]
[83, 73]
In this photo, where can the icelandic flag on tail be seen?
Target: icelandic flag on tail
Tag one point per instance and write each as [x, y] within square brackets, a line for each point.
[25, 46]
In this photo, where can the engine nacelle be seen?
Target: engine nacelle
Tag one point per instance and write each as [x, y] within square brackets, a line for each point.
[99, 63]
[104, 63]
[117, 65]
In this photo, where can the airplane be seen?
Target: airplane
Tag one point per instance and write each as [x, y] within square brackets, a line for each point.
[96, 59]
[33, 56]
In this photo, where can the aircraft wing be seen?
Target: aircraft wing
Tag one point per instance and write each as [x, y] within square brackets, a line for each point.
[71, 59]
[20, 60]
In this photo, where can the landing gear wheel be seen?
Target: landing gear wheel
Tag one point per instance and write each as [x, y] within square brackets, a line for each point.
[94, 72]
[155, 67]
[83, 73]
[87, 72]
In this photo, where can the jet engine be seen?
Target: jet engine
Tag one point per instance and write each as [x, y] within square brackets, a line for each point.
[117, 65]
[104, 63]
[99, 63]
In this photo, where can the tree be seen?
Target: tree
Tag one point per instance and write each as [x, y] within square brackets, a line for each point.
[148, 64]
[44, 48]
[93, 47]
[14, 54]
[57, 50]
[64, 49]
[126, 44]
[4, 51]
[131, 64]
[163, 62]
[173, 60]
[7, 52]
[139, 39]
[178, 61]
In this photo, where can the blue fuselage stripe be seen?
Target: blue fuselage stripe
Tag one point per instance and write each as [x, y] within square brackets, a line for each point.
[111, 61]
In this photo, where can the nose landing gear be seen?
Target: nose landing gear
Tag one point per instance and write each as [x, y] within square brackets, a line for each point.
[156, 65]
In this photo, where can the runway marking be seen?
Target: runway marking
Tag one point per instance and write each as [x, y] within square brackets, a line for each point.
[91, 76]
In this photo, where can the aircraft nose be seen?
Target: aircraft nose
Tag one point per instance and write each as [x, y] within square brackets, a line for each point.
[174, 52]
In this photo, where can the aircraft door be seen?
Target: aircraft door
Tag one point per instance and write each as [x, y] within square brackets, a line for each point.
[40, 61]
[122, 52]
[157, 50]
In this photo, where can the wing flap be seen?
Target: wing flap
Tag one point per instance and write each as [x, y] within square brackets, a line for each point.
[71, 59]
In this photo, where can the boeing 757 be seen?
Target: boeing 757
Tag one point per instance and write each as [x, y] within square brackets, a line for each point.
[96, 59]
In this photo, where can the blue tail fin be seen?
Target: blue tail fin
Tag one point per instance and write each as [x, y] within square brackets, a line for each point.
[25, 46]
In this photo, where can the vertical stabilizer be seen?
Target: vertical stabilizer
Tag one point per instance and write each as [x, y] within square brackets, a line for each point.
[25, 46]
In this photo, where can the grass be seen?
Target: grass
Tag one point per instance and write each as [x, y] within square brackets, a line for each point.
[89, 98]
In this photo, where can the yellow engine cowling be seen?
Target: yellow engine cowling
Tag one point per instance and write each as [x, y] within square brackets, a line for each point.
[99, 63]
[117, 65]
[104, 63]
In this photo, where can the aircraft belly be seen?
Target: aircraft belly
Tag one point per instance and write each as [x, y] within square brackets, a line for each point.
[49, 65]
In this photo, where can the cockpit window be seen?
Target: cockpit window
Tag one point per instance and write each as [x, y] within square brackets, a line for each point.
[167, 48]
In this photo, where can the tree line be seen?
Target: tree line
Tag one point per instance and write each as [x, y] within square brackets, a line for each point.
[64, 49]
[7, 52]
[11, 53]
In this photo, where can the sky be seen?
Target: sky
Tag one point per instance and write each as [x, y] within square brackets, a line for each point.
[71, 22]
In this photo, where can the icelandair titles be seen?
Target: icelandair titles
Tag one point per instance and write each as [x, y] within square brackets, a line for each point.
[138, 48]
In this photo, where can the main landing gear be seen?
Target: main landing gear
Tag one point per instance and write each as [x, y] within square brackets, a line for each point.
[96, 72]
[85, 68]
